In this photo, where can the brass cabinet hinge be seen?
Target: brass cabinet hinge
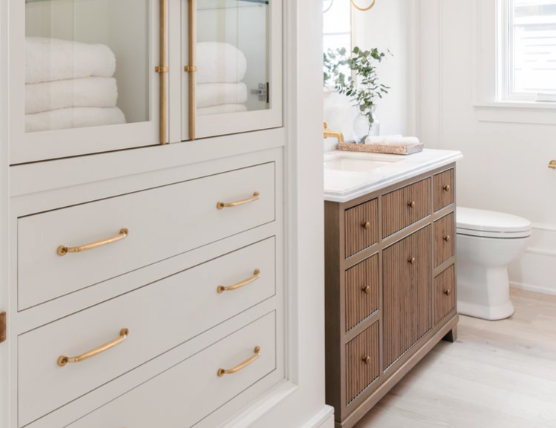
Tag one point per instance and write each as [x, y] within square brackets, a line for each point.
[3, 327]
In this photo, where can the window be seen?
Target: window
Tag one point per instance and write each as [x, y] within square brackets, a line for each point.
[337, 24]
[527, 50]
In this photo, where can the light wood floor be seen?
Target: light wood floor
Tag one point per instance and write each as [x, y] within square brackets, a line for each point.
[498, 374]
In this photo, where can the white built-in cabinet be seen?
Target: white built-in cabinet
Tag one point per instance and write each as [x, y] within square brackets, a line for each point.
[95, 76]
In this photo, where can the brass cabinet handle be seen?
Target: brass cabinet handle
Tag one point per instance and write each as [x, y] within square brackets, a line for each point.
[412, 261]
[366, 290]
[221, 205]
[448, 292]
[255, 277]
[367, 360]
[241, 366]
[63, 360]
[448, 238]
[412, 204]
[63, 250]
[552, 164]
[366, 225]
[162, 70]
[447, 188]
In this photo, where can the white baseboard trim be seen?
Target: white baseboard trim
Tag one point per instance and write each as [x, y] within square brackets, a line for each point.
[323, 419]
[535, 288]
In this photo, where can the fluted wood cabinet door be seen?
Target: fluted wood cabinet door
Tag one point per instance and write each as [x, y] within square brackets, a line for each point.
[407, 306]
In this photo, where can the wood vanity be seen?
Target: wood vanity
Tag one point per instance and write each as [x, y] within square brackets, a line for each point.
[390, 287]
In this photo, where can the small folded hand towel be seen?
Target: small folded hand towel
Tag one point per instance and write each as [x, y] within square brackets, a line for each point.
[222, 109]
[87, 92]
[48, 59]
[73, 118]
[215, 94]
[383, 139]
[220, 63]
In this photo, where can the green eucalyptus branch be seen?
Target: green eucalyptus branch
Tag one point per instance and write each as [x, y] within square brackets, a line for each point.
[366, 90]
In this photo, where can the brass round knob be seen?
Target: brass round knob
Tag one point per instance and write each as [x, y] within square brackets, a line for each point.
[367, 360]
[412, 204]
[366, 289]
[448, 238]
[448, 292]
[367, 225]
[447, 188]
[412, 261]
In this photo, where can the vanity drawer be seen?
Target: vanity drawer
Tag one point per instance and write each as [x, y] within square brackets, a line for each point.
[161, 223]
[444, 189]
[362, 362]
[159, 317]
[444, 294]
[444, 232]
[192, 390]
[362, 291]
[361, 227]
[406, 206]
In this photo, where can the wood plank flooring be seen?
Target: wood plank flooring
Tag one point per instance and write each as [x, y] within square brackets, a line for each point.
[498, 374]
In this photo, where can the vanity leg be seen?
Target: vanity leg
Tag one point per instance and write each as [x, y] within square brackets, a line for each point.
[452, 335]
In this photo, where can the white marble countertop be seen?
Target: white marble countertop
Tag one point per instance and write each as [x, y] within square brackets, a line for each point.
[349, 175]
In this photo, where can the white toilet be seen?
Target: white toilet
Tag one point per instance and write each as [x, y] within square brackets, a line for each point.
[487, 243]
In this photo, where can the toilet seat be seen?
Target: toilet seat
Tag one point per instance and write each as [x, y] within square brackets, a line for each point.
[490, 224]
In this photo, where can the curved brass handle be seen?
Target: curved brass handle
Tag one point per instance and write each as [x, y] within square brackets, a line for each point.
[222, 205]
[63, 250]
[255, 277]
[367, 360]
[63, 360]
[412, 261]
[412, 204]
[447, 188]
[366, 225]
[448, 238]
[239, 367]
[363, 9]
[448, 292]
[366, 289]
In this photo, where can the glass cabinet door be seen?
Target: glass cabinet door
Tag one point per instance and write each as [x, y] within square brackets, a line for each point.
[85, 77]
[232, 66]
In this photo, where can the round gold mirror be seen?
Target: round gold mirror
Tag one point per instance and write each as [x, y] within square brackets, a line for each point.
[363, 8]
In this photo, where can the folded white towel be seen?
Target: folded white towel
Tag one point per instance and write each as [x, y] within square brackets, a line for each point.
[411, 141]
[220, 63]
[223, 109]
[383, 139]
[87, 92]
[73, 118]
[215, 94]
[48, 59]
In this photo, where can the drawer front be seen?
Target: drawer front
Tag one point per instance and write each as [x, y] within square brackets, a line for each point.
[362, 291]
[444, 233]
[406, 206]
[361, 223]
[362, 362]
[192, 390]
[162, 223]
[407, 301]
[159, 317]
[444, 294]
[444, 189]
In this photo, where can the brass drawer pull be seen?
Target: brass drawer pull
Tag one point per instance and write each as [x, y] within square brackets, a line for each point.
[367, 360]
[412, 204]
[366, 290]
[366, 225]
[412, 261]
[447, 188]
[255, 277]
[239, 367]
[63, 360]
[63, 250]
[222, 205]
[448, 238]
[448, 292]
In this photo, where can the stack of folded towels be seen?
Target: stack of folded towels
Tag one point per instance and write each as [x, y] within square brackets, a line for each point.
[393, 140]
[69, 85]
[221, 69]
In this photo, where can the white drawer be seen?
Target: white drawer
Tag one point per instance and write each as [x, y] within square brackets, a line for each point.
[162, 223]
[192, 390]
[159, 317]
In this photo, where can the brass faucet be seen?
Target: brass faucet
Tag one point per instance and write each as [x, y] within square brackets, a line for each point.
[333, 134]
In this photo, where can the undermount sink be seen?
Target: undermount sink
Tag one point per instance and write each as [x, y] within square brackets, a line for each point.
[349, 163]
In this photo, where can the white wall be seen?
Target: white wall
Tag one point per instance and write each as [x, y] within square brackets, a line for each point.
[505, 164]
[388, 26]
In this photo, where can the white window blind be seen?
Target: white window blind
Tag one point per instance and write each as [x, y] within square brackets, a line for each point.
[530, 57]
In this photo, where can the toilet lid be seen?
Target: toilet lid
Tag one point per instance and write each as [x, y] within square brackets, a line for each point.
[491, 224]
